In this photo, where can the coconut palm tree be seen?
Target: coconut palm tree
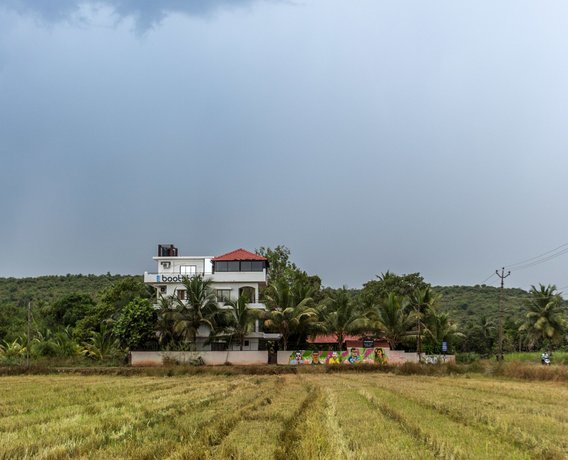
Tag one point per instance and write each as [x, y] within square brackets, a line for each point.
[101, 344]
[392, 319]
[544, 319]
[423, 302]
[341, 315]
[440, 328]
[240, 319]
[199, 309]
[166, 321]
[290, 310]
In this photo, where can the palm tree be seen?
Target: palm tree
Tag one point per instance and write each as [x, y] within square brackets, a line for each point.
[240, 319]
[440, 328]
[342, 316]
[200, 309]
[290, 310]
[392, 319]
[423, 302]
[544, 318]
[166, 321]
[101, 345]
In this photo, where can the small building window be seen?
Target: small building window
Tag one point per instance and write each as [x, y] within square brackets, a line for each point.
[181, 294]
[247, 343]
[223, 295]
[188, 269]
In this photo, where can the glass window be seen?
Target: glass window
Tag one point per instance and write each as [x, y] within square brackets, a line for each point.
[181, 294]
[257, 265]
[223, 295]
[188, 269]
[246, 266]
[221, 266]
[233, 266]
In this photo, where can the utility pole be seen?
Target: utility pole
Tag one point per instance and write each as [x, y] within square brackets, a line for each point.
[502, 276]
[29, 333]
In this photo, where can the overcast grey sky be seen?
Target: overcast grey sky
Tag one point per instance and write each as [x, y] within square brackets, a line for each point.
[365, 135]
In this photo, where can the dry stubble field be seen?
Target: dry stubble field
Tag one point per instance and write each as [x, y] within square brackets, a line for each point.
[303, 416]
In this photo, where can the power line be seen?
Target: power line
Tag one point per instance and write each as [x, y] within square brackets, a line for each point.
[488, 278]
[545, 257]
[522, 262]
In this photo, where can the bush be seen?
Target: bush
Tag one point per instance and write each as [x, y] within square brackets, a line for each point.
[466, 358]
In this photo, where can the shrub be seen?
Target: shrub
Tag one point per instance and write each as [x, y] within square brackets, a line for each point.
[466, 358]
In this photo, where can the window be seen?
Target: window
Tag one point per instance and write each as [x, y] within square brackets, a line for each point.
[257, 265]
[233, 266]
[181, 294]
[188, 269]
[247, 343]
[223, 295]
[240, 266]
[246, 266]
[221, 266]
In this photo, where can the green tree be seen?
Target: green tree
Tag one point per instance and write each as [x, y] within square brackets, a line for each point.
[135, 324]
[279, 264]
[423, 302]
[281, 268]
[392, 319]
[440, 328]
[112, 300]
[544, 320]
[101, 344]
[167, 316]
[290, 312]
[481, 335]
[71, 308]
[240, 319]
[200, 309]
[401, 285]
[342, 316]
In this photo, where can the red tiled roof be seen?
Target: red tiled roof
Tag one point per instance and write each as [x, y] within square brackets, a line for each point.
[332, 338]
[323, 339]
[239, 254]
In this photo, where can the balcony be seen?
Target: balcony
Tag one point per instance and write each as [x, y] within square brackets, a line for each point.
[219, 277]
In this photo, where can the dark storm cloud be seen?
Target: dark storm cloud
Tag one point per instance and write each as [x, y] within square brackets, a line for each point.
[146, 13]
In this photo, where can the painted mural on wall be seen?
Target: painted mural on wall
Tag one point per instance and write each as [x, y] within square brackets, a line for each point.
[351, 356]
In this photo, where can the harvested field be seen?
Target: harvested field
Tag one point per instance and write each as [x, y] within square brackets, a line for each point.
[292, 416]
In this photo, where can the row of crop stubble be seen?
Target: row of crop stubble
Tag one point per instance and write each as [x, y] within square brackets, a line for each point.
[302, 416]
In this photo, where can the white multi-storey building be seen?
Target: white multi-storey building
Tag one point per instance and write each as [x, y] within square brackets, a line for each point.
[236, 273]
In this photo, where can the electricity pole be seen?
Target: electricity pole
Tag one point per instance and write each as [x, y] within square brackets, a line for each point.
[29, 333]
[502, 276]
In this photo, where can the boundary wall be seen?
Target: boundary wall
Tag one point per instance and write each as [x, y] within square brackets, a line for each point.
[364, 356]
[211, 358]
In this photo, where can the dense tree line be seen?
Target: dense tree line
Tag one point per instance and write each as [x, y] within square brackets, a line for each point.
[101, 317]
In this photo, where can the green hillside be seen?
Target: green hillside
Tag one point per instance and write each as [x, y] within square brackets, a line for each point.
[466, 303]
[42, 291]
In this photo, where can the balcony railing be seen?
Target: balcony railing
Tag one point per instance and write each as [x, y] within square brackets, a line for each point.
[171, 277]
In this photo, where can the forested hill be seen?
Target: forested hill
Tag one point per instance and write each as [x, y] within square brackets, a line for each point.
[47, 289]
[466, 304]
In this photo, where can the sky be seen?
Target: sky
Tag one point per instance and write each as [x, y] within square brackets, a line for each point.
[364, 135]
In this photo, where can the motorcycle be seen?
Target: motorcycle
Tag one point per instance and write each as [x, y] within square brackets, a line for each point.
[545, 359]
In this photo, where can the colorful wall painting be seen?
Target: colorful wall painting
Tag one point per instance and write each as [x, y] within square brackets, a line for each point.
[350, 356]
